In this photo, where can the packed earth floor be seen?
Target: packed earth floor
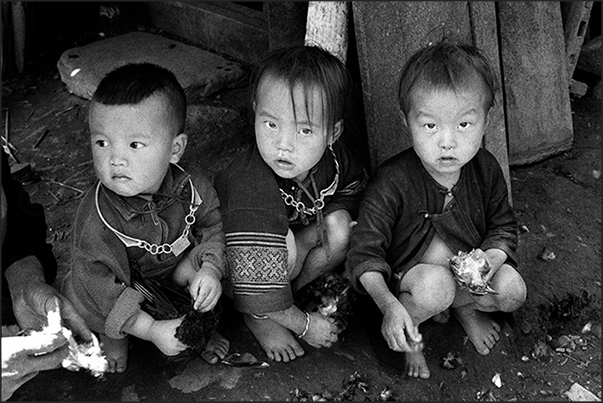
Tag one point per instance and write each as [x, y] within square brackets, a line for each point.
[551, 344]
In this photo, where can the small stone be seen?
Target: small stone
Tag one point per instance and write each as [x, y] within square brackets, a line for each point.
[547, 254]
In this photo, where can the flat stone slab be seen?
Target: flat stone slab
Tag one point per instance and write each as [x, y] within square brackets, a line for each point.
[199, 72]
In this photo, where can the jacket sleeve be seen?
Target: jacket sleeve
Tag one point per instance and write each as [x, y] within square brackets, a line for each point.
[102, 296]
[256, 250]
[208, 229]
[372, 236]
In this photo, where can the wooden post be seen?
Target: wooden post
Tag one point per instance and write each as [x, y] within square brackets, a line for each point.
[327, 26]
[484, 33]
[18, 12]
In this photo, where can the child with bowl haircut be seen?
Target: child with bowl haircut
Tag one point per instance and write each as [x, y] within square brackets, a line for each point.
[288, 204]
[145, 220]
[442, 196]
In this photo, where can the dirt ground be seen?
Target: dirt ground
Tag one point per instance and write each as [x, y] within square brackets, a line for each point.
[547, 346]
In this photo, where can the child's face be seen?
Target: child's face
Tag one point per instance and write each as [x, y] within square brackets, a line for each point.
[291, 144]
[447, 129]
[133, 145]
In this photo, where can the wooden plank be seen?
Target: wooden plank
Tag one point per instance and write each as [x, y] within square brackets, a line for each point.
[224, 27]
[537, 104]
[576, 16]
[327, 26]
[484, 32]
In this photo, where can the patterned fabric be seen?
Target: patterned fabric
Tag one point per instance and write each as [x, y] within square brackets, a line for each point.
[259, 260]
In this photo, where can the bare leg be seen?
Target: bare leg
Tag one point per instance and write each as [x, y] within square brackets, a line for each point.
[421, 302]
[481, 329]
[216, 349]
[276, 340]
[470, 310]
[116, 352]
[311, 260]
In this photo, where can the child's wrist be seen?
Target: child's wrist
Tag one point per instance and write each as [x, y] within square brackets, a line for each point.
[209, 267]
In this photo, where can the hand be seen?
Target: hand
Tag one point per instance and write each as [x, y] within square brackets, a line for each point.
[322, 331]
[206, 288]
[32, 303]
[24, 356]
[396, 324]
[496, 258]
[32, 299]
[163, 334]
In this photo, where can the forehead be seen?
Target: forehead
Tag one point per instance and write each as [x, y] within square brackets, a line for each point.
[279, 93]
[471, 94]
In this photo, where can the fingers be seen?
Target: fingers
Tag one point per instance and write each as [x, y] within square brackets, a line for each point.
[74, 321]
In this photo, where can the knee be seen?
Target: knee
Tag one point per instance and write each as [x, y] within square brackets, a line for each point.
[435, 290]
[512, 291]
[338, 228]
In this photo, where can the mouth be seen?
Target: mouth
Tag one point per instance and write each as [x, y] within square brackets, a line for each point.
[120, 178]
[284, 164]
[447, 159]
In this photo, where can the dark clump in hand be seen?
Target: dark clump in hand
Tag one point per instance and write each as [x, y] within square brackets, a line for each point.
[331, 295]
[164, 301]
[196, 328]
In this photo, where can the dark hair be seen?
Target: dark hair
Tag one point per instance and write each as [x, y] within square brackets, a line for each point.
[445, 66]
[133, 83]
[309, 66]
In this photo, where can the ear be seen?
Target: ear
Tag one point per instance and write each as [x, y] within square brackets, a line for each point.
[337, 130]
[178, 146]
[488, 116]
[404, 121]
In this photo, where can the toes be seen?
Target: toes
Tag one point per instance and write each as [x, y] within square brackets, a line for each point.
[210, 357]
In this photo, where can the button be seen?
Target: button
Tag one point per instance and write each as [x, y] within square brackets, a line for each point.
[426, 215]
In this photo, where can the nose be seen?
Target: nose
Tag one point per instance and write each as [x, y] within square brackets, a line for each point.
[286, 140]
[447, 139]
[116, 159]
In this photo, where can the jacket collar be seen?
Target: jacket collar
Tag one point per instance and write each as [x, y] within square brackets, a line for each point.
[129, 207]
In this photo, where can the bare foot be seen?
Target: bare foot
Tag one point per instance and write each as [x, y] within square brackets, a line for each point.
[277, 341]
[482, 330]
[116, 352]
[216, 348]
[416, 366]
[441, 317]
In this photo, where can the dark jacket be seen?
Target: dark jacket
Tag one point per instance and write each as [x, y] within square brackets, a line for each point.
[99, 281]
[256, 220]
[403, 208]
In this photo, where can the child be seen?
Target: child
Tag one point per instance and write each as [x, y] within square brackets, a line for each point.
[145, 220]
[287, 204]
[443, 195]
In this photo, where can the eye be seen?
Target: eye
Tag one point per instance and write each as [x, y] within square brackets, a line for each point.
[430, 126]
[270, 125]
[101, 143]
[305, 132]
[136, 145]
[464, 125]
